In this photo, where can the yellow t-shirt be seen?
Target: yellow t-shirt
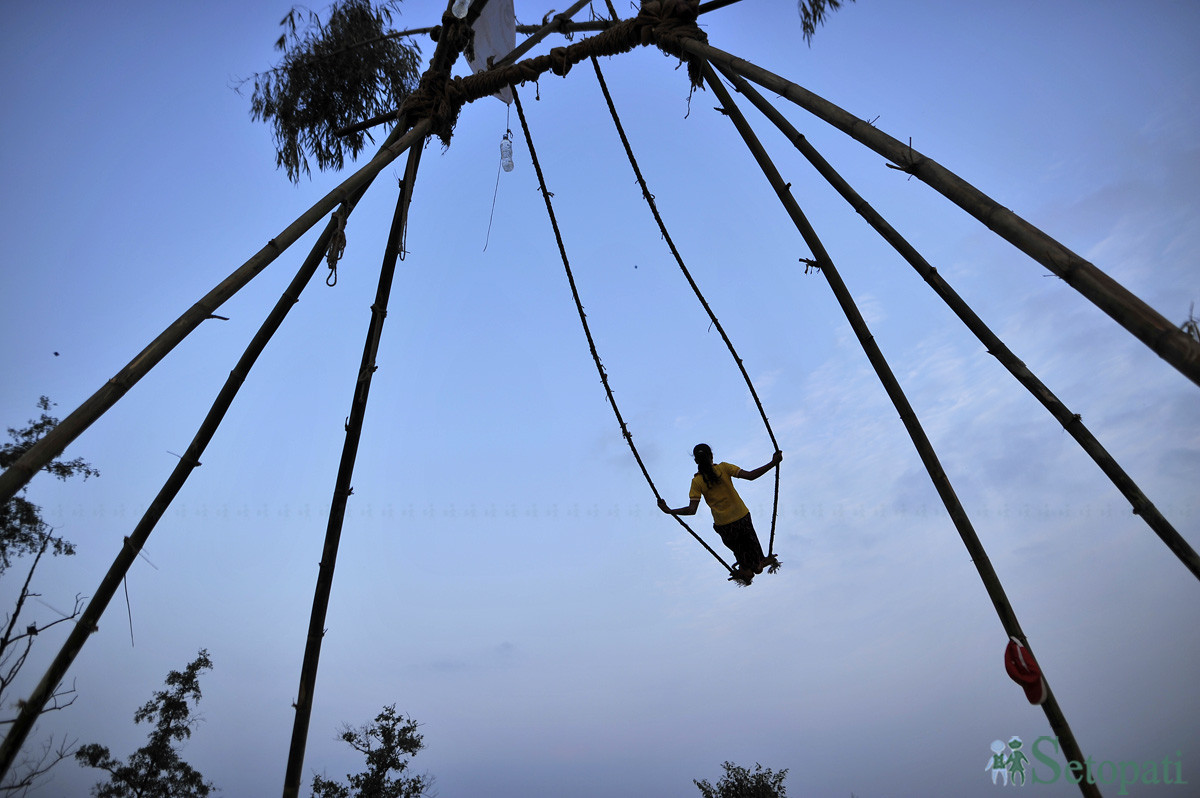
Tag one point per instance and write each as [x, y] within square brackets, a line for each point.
[722, 498]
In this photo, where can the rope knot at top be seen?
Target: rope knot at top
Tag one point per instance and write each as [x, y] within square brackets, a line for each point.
[667, 24]
[659, 16]
[663, 23]
[429, 99]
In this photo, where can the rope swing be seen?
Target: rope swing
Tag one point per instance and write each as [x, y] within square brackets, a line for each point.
[546, 195]
[703, 302]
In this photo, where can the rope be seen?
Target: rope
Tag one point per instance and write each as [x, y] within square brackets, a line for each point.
[666, 24]
[587, 330]
[337, 243]
[695, 288]
[499, 167]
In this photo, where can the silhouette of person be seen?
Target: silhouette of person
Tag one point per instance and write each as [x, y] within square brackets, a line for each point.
[731, 518]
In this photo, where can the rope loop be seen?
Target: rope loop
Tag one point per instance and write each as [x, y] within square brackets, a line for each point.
[337, 243]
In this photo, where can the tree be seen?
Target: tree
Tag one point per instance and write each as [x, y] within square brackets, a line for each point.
[387, 744]
[15, 644]
[156, 770]
[738, 782]
[812, 14]
[333, 73]
[23, 532]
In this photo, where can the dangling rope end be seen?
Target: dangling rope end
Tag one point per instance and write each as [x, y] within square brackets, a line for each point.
[337, 243]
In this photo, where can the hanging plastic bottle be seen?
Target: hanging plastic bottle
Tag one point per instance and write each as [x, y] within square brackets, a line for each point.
[460, 8]
[506, 161]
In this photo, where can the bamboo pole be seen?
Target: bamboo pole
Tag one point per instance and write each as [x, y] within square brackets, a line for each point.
[88, 620]
[342, 489]
[55, 441]
[1071, 422]
[447, 51]
[1163, 337]
[937, 474]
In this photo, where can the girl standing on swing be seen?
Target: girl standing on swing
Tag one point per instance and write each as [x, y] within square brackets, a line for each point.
[731, 518]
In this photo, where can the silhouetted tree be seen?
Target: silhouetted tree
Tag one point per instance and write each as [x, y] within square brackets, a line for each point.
[22, 529]
[334, 72]
[812, 14]
[387, 744]
[156, 770]
[738, 782]
[23, 532]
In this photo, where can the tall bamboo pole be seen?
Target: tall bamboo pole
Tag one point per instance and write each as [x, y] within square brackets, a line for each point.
[71, 427]
[1071, 422]
[447, 51]
[937, 474]
[1167, 340]
[342, 488]
[90, 618]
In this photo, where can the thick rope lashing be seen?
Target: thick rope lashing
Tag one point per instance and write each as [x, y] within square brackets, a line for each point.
[663, 23]
[562, 250]
[662, 227]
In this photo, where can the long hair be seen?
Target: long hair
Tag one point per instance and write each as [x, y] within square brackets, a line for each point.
[704, 461]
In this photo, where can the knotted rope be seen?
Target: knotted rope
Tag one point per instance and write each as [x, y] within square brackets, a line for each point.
[337, 243]
[663, 23]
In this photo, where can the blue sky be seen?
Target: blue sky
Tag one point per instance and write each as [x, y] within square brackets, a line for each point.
[504, 576]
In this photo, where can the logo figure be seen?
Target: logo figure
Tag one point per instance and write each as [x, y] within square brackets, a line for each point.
[996, 762]
[1016, 762]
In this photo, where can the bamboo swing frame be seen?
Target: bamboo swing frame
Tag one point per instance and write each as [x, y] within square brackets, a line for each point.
[1169, 342]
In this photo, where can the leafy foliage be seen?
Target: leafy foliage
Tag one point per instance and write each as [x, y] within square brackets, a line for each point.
[156, 770]
[22, 530]
[812, 14]
[333, 74]
[387, 744]
[739, 782]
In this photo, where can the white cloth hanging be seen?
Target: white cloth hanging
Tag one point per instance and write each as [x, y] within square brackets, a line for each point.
[495, 37]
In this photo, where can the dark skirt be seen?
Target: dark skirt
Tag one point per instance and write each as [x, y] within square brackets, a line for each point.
[740, 538]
